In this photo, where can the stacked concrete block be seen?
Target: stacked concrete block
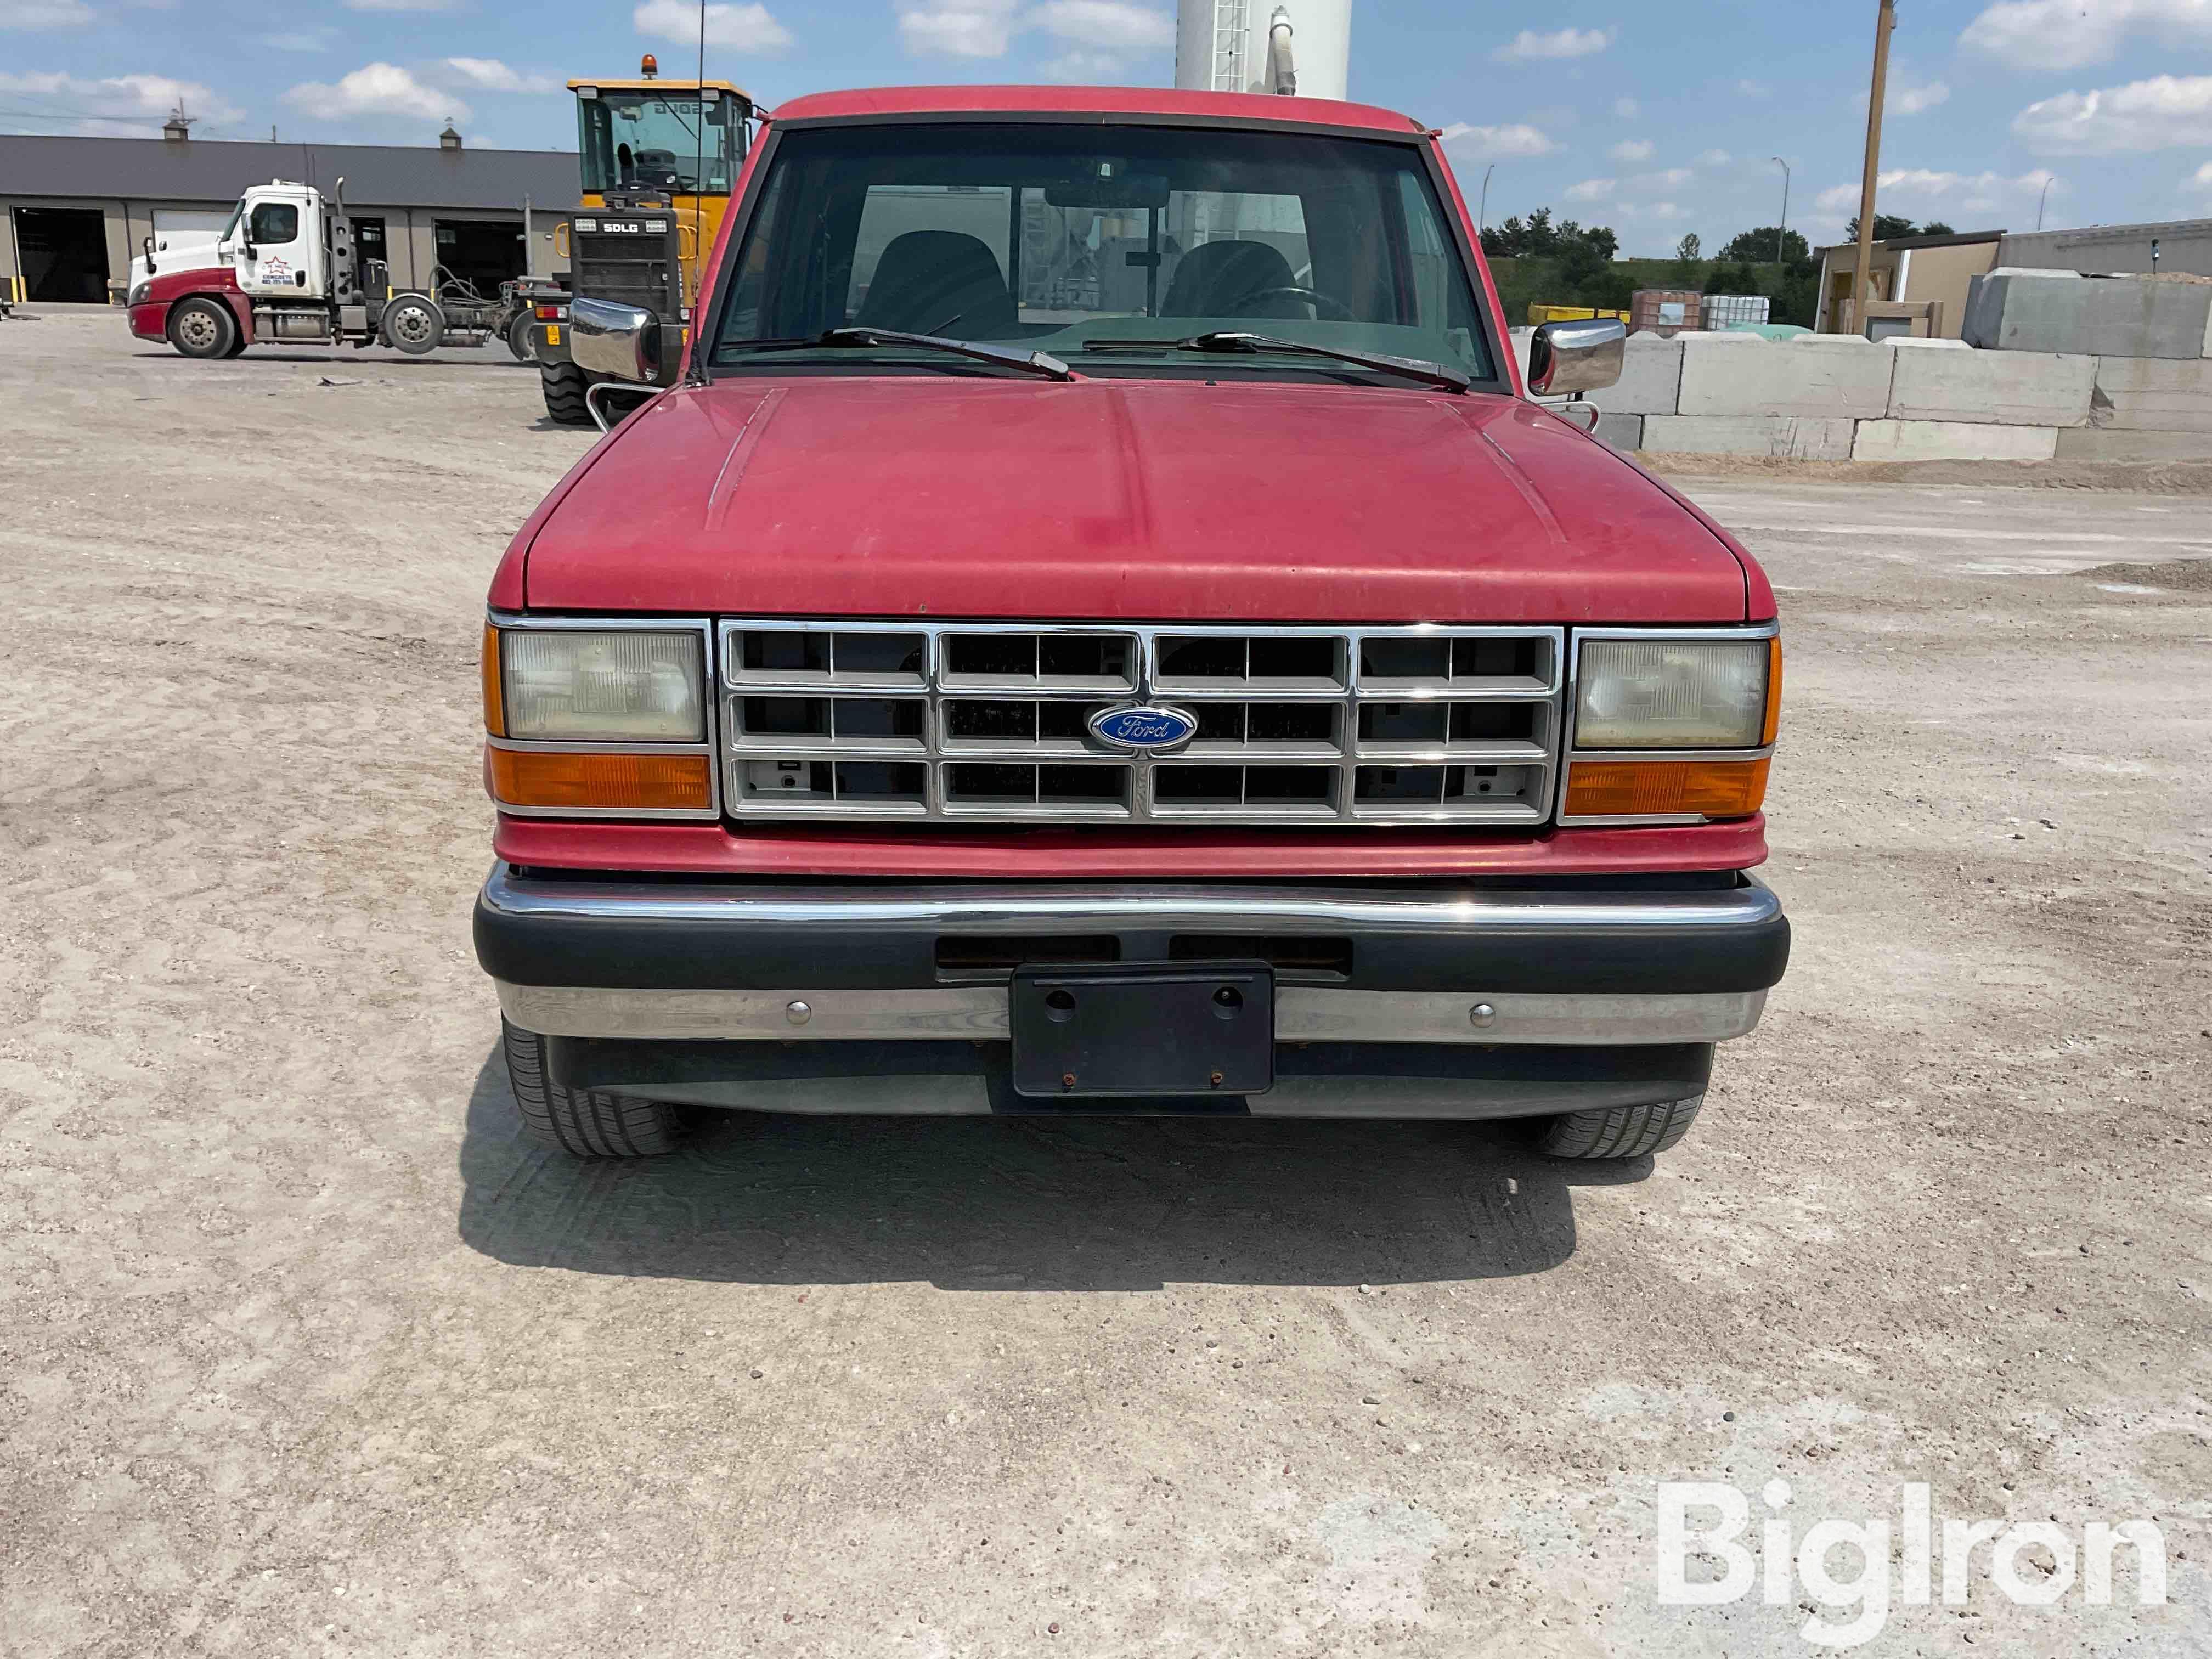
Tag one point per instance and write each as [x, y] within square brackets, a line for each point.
[1651, 378]
[1995, 388]
[2092, 443]
[2097, 316]
[2150, 394]
[1953, 440]
[1620, 432]
[1781, 437]
[1816, 377]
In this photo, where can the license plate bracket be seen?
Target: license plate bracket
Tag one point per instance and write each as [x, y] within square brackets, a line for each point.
[1138, 1029]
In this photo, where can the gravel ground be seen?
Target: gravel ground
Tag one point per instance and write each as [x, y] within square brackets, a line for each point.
[301, 1350]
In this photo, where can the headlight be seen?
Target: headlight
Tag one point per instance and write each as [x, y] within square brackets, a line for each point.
[582, 685]
[138, 294]
[1672, 694]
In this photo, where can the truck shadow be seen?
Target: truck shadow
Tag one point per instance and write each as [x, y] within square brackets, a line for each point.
[1027, 1204]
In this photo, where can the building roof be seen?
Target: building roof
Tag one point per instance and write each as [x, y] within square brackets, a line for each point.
[2118, 233]
[217, 170]
[878, 102]
[1905, 244]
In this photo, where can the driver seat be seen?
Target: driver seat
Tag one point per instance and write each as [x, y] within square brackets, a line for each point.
[928, 281]
[1220, 279]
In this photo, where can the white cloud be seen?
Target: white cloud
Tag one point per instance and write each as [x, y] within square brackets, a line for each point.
[2054, 34]
[2204, 175]
[1754, 89]
[1105, 27]
[1491, 144]
[1086, 67]
[1672, 178]
[1627, 108]
[959, 28]
[737, 28]
[376, 89]
[1632, 149]
[1922, 188]
[45, 15]
[495, 76]
[1716, 158]
[1659, 210]
[1529, 45]
[2166, 113]
[109, 103]
[1919, 100]
[403, 5]
[1592, 190]
[299, 40]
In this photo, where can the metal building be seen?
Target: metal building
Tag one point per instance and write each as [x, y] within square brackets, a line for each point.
[1301, 47]
[74, 211]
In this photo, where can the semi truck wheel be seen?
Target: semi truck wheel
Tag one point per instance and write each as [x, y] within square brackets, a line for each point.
[1619, 1131]
[413, 324]
[564, 385]
[518, 337]
[588, 1122]
[204, 328]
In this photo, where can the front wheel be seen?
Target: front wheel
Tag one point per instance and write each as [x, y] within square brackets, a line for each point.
[1619, 1131]
[204, 328]
[413, 324]
[583, 1122]
[564, 385]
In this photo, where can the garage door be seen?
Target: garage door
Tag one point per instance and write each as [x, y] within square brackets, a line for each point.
[65, 254]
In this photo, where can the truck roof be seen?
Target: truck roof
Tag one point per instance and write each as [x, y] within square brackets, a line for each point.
[656, 83]
[1239, 108]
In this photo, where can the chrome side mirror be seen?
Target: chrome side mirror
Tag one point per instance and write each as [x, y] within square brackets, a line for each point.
[619, 341]
[1565, 358]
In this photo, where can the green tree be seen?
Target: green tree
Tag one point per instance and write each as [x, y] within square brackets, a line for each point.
[1757, 247]
[1537, 238]
[1886, 225]
[1688, 249]
[1738, 278]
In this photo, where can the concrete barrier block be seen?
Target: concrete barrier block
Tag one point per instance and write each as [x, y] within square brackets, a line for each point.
[2000, 388]
[1786, 437]
[2104, 444]
[1797, 378]
[2154, 394]
[1651, 378]
[1520, 337]
[2098, 317]
[1953, 440]
[1621, 432]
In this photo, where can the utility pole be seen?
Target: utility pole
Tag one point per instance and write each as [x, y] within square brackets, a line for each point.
[1482, 213]
[1781, 236]
[1875, 94]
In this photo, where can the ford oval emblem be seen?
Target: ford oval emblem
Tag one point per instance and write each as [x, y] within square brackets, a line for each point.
[1144, 726]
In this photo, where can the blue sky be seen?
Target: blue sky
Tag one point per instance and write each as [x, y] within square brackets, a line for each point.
[1656, 120]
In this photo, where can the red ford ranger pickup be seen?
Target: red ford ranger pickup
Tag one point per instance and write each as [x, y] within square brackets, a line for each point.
[1101, 625]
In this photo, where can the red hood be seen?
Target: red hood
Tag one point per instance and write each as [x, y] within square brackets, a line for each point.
[1155, 499]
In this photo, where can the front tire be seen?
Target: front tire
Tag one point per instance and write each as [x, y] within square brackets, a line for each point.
[205, 329]
[583, 1122]
[1619, 1131]
[564, 385]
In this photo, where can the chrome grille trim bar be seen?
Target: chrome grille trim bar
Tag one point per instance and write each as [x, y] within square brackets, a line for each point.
[909, 688]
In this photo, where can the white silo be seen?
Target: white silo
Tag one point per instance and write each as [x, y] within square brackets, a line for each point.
[1302, 46]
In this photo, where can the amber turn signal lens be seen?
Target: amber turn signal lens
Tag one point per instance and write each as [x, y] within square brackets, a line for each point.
[1773, 691]
[1642, 789]
[495, 699]
[621, 783]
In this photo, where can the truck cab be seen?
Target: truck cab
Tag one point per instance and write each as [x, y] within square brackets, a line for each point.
[1101, 623]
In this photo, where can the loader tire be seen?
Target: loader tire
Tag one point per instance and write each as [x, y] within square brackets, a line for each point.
[204, 328]
[584, 1122]
[1619, 1131]
[564, 385]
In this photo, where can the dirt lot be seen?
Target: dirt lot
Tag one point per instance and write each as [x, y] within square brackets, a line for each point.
[300, 1350]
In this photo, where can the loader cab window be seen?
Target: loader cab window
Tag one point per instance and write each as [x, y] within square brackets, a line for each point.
[274, 222]
[675, 142]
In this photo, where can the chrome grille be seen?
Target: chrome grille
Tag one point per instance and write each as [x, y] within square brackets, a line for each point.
[991, 722]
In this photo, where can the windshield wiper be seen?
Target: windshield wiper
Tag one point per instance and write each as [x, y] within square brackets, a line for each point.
[1033, 362]
[1226, 340]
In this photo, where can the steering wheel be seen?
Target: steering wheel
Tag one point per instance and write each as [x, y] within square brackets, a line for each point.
[1332, 308]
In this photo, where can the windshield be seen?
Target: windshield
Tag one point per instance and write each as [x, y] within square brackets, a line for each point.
[1051, 236]
[655, 140]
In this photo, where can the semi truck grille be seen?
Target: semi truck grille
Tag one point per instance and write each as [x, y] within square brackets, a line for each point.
[981, 721]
